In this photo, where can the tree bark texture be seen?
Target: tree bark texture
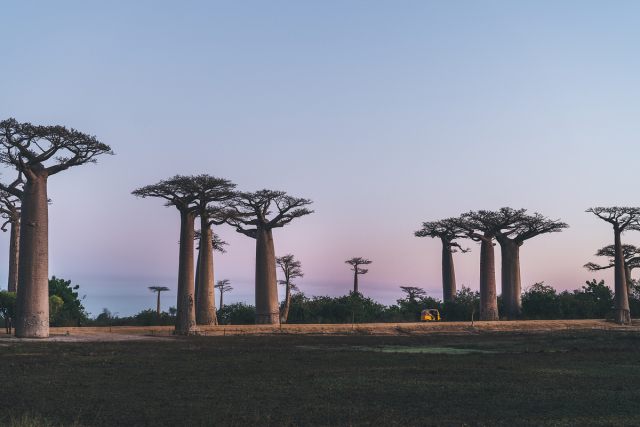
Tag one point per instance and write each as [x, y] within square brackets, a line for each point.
[32, 303]
[488, 295]
[221, 298]
[267, 310]
[14, 249]
[511, 281]
[197, 283]
[627, 276]
[186, 315]
[206, 300]
[355, 281]
[448, 271]
[158, 302]
[621, 308]
[287, 301]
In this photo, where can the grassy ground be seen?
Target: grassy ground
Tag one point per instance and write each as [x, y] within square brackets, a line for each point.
[486, 379]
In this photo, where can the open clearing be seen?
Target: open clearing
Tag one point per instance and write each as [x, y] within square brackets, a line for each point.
[586, 375]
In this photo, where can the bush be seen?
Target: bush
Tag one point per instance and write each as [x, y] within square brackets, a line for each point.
[237, 314]
[72, 308]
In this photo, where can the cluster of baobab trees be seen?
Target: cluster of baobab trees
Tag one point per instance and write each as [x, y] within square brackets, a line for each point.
[255, 214]
[511, 228]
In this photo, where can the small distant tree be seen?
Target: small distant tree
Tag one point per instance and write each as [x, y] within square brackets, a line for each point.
[7, 304]
[223, 286]
[356, 262]
[38, 152]
[622, 219]
[630, 255]
[253, 209]
[291, 269]
[72, 308]
[413, 292]
[158, 289]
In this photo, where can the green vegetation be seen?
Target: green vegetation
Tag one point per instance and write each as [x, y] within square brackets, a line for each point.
[72, 308]
[568, 378]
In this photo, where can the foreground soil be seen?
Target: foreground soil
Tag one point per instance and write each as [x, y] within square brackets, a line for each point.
[582, 376]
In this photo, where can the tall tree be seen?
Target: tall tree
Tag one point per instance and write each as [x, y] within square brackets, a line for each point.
[523, 227]
[39, 152]
[447, 231]
[184, 193]
[223, 286]
[482, 226]
[10, 210]
[211, 192]
[630, 255]
[356, 262]
[253, 209]
[218, 245]
[622, 219]
[158, 289]
[291, 269]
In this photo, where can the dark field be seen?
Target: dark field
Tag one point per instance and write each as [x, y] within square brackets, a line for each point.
[582, 379]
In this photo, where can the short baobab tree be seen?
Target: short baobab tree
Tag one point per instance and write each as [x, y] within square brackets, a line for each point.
[523, 228]
[223, 286]
[630, 255]
[482, 226]
[413, 292]
[10, 211]
[355, 263]
[253, 209]
[158, 289]
[447, 231]
[291, 269]
[622, 219]
[37, 152]
[184, 193]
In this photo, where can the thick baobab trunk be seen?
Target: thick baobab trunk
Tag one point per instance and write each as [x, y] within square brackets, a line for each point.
[287, 301]
[186, 315]
[159, 302]
[14, 249]
[488, 296]
[32, 303]
[511, 283]
[627, 276]
[621, 308]
[267, 310]
[197, 285]
[206, 301]
[355, 281]
[448, 272]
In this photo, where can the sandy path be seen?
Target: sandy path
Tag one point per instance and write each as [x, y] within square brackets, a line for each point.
[132, 333]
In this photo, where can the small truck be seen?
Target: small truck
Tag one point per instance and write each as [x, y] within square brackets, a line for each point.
[430, 315]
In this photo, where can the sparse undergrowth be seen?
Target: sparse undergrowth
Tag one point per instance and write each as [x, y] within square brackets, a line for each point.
[577, 378]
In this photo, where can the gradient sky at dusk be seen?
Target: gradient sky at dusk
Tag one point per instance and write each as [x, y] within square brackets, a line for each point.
[386, 114]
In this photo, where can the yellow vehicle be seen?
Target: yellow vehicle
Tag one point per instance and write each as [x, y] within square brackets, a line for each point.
[430, 315]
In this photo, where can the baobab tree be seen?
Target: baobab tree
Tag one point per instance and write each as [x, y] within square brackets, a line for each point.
[158, 289]
[622, 219]
[356, 262]
[10, 210]
[217, 245]
[37, 152]
[630, 255]
[413, 292]
[252, 209]
[522, 227]
[209, 215]
[184, 193]
[291, 269]
[223, 286]
[447, 231]
[482, 226]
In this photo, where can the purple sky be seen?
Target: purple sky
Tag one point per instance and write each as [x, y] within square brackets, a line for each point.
[386, 114]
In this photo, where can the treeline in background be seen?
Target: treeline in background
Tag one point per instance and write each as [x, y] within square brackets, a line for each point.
[539, 301]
